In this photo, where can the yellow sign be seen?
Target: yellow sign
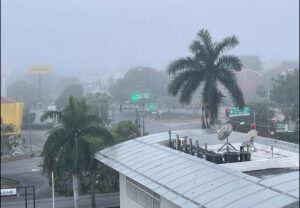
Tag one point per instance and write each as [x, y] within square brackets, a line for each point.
[12, 113]
[39, 69]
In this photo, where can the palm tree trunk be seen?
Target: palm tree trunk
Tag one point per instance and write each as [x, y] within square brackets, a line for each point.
[93, 179]
[75, 190]
[203, 121]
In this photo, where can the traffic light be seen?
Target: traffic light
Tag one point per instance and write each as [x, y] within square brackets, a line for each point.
[135, 97]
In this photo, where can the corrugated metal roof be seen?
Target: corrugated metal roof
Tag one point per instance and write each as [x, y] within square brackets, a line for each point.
[188, 181]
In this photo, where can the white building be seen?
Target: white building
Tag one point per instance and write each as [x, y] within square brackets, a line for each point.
[157, 176]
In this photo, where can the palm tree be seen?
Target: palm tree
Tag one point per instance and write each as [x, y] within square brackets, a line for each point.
[210, 66]
[67, 148]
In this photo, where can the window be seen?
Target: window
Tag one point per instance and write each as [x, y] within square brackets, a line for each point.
[142, 194]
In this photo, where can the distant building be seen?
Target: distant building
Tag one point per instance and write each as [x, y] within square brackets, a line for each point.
[248, 81]
[12, 113]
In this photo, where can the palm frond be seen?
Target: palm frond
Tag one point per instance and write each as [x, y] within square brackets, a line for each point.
[181, 64]
[190, 88]
[67, 159]
[229, 62]
[55, 140]
[228, 79]
[90, 120]
[97, 132]
[226, 44]
[205, 38]
[197, 48]
[178, 82]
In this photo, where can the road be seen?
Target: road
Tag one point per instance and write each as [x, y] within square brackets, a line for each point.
[28, 171]
[102, 201]
[38, 138]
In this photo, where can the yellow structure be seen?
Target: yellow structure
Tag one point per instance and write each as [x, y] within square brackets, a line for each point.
[12, 113]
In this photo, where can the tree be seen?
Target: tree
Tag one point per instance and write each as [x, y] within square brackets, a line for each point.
[139, 79]
[125, 130]
[261, 92]
[289, 64]
[210, 66]
[251, 62]
[23, 91]
[75, 90]
[67, 150]
[285, 94]
[99, 105]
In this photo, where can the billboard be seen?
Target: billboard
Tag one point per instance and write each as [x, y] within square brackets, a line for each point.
[39, 69]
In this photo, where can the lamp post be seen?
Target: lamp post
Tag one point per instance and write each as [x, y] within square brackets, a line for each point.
[29, 123]
[53, 201]
[143, 105]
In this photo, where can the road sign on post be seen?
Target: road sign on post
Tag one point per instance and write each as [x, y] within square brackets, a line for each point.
[237, 112]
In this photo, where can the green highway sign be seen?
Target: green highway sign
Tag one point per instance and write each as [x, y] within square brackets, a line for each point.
[136, 96]
[237, 112]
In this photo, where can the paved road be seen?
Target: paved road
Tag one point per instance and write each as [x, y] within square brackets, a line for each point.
[156, 126]
[28, 172]
[38, 138]
[102, 201]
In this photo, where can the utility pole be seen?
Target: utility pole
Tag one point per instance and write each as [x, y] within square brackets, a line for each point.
[99, 110]
[268, 106]
[268, 90]
[143, 105]
[40, 88]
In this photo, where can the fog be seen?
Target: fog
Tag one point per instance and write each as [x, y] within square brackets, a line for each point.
[77, 35]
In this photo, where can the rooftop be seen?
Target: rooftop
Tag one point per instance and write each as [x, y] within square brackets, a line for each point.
[189, 181]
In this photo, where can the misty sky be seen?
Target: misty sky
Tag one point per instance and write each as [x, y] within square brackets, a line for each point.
[111, 34]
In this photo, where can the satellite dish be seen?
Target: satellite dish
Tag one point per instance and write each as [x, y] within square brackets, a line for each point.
[249, 137]
[224, 133]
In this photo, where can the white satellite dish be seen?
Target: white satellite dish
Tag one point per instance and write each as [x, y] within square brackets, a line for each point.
[224, 133]
[249, 137]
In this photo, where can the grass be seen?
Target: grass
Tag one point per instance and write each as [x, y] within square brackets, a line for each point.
[9, 183]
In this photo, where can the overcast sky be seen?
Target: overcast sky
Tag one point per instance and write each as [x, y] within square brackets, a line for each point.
[111, 34]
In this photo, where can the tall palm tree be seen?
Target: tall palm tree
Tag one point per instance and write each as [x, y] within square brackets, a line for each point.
[210, 66]
[67, 148]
